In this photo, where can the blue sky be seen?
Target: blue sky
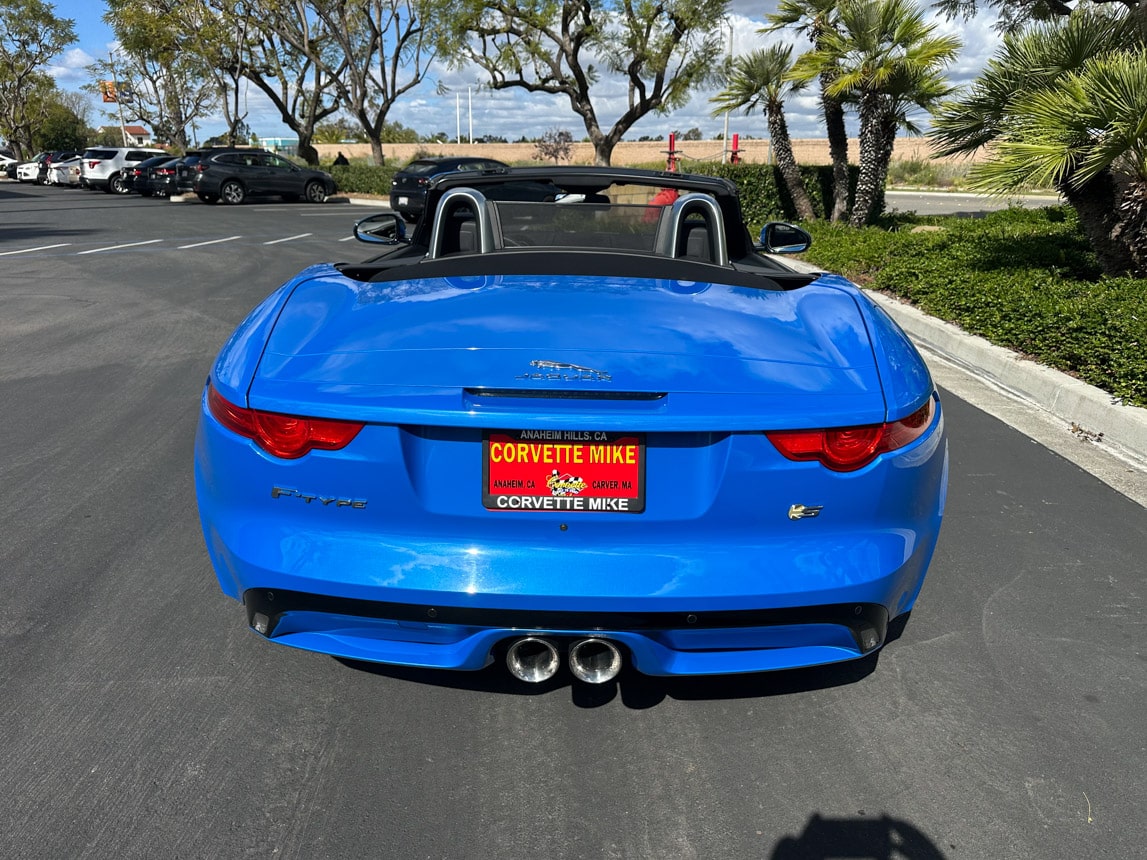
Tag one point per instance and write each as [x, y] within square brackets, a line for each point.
[501, 112]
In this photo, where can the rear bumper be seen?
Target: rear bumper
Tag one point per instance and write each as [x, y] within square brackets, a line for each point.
[731, 588]
[661, 643]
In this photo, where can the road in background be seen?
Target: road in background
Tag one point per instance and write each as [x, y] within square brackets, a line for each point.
[139, 719]
[967, 205]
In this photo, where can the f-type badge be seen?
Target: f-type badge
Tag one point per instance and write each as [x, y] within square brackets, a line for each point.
[561, 370]
[801, 512]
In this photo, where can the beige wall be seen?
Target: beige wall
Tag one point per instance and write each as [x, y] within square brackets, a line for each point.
[626, 153]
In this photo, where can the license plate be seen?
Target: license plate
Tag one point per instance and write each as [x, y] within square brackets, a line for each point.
[563, 470]
[402, 201]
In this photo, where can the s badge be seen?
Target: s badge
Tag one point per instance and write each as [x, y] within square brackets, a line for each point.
[800, 512]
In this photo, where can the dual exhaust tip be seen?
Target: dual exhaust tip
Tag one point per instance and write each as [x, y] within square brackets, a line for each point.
[534, 659]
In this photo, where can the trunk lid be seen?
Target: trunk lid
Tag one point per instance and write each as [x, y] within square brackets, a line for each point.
[546, 351]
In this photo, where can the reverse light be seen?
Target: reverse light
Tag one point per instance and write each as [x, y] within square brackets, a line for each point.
[286, 436]
[846, 449]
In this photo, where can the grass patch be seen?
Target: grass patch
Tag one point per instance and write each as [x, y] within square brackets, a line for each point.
[1022, 278]
[926, 173]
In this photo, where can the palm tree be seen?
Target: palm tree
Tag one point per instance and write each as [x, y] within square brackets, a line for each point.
[888, 60]
[814, 18]
[759, 80]
[1064, 105]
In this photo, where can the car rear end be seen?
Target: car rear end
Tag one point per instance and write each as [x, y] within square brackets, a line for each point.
[388, 487]
[96, 166]
[186, 170]
[408, 187]
[161, 177]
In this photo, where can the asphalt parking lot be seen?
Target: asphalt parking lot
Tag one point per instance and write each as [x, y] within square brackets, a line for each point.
[140, 720]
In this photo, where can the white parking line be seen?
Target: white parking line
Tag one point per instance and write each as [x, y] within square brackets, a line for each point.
[211, 242]
[347, 239]
[30, 250]
[117, 247]
[288, 239]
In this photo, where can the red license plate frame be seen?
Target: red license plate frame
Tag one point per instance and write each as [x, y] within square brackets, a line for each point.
[563, 471]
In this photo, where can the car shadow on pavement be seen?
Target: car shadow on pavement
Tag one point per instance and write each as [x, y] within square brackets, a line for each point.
[36, 230]
[877, 838]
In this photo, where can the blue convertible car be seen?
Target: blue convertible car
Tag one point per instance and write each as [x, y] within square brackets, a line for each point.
[577, 417]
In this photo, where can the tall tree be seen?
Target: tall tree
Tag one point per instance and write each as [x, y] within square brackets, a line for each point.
[167, 92]
[1064, 104]
[386, 50]
[61, 127]
[239, 41]
[299, 74]
[30, 35]
[360, 57]
[157, 30]
[888, 60]
[816, 18]
[662, 49]
[168, 87]
[760, 80]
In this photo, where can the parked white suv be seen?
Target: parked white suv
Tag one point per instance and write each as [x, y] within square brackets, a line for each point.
[102, 166]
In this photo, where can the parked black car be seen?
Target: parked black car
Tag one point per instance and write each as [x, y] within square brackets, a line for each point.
[408, 187]
[234, 174]
[173, 177]
[135, 175]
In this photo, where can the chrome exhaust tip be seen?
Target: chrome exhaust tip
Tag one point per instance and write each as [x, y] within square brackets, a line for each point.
[595, 661]
[533, 660]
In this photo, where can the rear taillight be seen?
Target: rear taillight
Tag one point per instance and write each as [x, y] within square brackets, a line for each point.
[200, 168]
[163, 171]
[285, 436]
[92, 165]
[846, 449]
[422, 180]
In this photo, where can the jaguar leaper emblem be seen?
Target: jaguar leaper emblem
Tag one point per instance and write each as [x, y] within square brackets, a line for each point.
[563, 370]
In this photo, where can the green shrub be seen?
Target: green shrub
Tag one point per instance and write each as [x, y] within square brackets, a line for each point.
[359, 178]
[763, 193]
[1024, 279]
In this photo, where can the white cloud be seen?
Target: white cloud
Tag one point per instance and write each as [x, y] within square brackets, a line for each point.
[70, 72]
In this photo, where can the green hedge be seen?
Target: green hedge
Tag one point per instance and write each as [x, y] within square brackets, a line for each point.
[763, 193]
[357, 178]
[1024, 279]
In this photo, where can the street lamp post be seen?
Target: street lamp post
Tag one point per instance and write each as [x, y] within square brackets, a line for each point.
[725, 136]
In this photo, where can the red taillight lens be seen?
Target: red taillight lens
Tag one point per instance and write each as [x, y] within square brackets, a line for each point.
[164, 171]
[285, 436]
[92, 165]
[846, 449]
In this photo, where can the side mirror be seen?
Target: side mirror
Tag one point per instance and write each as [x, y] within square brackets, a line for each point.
[386, 228]
[777, 237]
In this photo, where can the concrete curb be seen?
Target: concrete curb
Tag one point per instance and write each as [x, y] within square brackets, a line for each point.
[1083, 409]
